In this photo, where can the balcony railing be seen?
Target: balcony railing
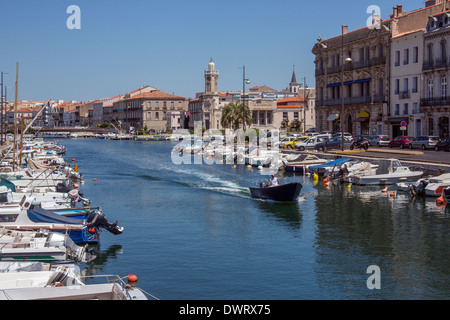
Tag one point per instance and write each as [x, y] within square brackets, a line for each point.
[435, 64]
[347, 101]
[435, 101]
[404, 94]
[354, 65]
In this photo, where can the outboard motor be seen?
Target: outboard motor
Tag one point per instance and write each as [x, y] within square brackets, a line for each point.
[98, 219]
[447, 192]
[418, 188]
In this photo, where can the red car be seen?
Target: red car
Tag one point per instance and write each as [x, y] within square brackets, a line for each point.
[401, 141]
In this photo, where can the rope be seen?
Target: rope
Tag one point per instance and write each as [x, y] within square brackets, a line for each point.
[143, 290]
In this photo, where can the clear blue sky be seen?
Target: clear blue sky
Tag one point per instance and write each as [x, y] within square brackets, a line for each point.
[123, 45]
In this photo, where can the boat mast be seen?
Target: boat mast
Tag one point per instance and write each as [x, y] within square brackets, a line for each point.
[15, 118]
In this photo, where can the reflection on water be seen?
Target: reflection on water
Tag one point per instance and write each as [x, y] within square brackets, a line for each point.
[285, 212]
[407, 238]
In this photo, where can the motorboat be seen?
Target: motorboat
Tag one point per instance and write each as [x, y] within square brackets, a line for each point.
[431, 187]
[359, 168]
[389, 172]
[83, 226]
[301, 162]
[328, 168]
[61, 281]
[41, 245]
[284, 192]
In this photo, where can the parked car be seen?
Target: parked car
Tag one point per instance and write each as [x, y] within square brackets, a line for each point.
[333, 143]
[311, 130]
[444, 144]
[347, 136]
[291, 145]
[283, 141]
[309, 143]
[424, 142]
[400, 141]
[379, 141]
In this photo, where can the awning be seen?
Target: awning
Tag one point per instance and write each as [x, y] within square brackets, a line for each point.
[362, 80]
[333, 117]
[363, 115]
[338, 84]
[362, 119]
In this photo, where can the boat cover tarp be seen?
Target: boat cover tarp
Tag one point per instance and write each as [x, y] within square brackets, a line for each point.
[37, 214]
[8, 267]
[8, 184]
[329, 164]
[36, 165]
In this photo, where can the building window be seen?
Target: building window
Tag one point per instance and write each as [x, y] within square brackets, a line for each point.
[430, 127]
[415, 84]
[149, 115]
[397, 86]
[443, 51]
[415, 107]
[430, 91]
[397, 58]
[405, 56]
[443, 87]
[405, 109]
[430, 54]
[415, 56]
[397, 109]
[285, 115]
[157, 115]
[405, 84]
[295, 115]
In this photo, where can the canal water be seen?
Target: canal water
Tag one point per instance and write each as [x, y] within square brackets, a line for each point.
[192, 232]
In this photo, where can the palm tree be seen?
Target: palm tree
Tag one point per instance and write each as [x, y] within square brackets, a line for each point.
[235, 113]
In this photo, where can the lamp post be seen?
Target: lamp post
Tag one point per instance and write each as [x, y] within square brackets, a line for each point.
[348, 59]
[244, 81]
[305, 96]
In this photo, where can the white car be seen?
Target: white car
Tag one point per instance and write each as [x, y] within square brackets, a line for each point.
[309, 143]
[283, 141]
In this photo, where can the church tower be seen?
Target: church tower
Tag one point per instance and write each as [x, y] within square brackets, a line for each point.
[211, 79]
[294, 86]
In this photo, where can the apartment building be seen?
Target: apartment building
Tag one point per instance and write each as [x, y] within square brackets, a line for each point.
[146, 108]
[365, 78]
[435, 102]
[406, 70]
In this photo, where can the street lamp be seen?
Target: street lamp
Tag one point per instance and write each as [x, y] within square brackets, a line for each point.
[305, 96]
[348, 59]
[244, 82]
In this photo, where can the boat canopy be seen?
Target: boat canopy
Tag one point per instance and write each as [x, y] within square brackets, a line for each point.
[329, 164]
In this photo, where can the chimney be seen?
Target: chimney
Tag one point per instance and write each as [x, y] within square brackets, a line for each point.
[344, 29]
[395, 14]
[399, 10]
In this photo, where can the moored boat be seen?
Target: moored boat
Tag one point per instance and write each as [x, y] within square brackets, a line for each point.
[389, 172]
